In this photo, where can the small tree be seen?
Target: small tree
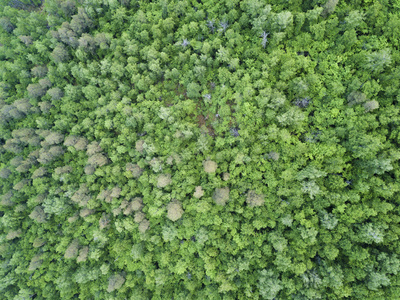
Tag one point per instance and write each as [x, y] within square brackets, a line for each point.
[193, 90]
[269, 285]
[23, 106]
[62, 170]
[226, 176]
[356, 97]
[21, 184]
[81, 196]
[311, 188]
[87, 42]
[115, 192]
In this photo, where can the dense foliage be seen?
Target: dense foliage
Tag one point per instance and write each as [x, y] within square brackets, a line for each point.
[199, 149]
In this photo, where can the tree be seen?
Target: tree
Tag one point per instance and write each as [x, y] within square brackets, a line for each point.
[27, 40]
[311, 188]
[134, 169]
[264, 36]
[144, 225]
[104, 221]
[329, 7]
[35, 263]
[253, 199]
[87, 42]
[72, 250]
[378, 60]
[139, 217]
[356, 97]
[164, 180]
[81, 22]
[81, 144]
[70, 140]
[81, 196]
[38, 214]
[174, 210]
[54, 138]
[39, 71]
[5, 173]
[6, 199]
[13, 145]
[48, 155]
[35, 90]
[93, 148]
[199, 192]
[55, 93]
[6, 24]
[210, 166]
[371, 105]
[221, 195]
[268, 284]
[38, 173]
[83, 254]
[284, 19]
[60, 54]
[115, 282]
[193, 90]
[377, 280]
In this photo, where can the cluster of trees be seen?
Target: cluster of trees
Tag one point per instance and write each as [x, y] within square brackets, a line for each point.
[199, 149]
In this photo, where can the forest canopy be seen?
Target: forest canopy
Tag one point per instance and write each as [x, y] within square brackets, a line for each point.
[182, 149]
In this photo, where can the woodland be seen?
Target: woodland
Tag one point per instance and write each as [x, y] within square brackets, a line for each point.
[199, 149]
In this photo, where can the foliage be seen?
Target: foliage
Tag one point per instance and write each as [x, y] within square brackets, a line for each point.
[199, 149]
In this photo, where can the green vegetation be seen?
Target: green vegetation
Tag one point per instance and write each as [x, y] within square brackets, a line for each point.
[199, 149]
